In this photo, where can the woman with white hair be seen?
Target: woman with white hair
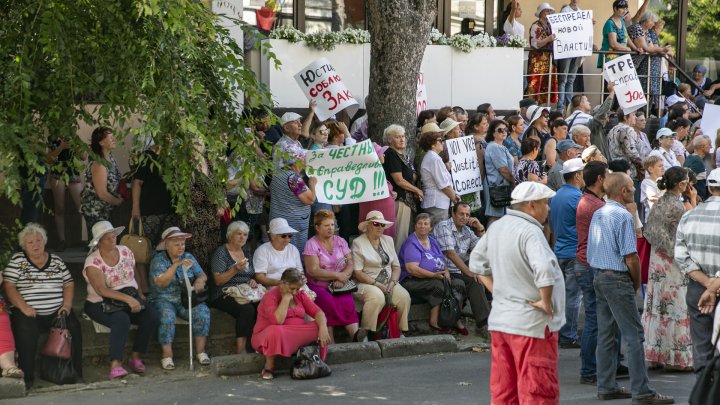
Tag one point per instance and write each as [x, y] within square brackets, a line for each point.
[640, 35]
[232, 266]
[581, 136]
[40, 289]
[400, 171]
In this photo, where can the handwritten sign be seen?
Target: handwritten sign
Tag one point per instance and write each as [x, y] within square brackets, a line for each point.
[464, 167]
[421, 103]
[347, 175]
[628, 89]
[574, 32]
[711, 122]
[322, 83]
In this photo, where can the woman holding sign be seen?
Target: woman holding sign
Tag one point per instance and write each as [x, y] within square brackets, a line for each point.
[542, 75]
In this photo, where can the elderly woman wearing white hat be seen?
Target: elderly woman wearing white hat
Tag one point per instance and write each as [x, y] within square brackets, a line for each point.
[377, 270]
[541, 71]
[111, 278]
[167, 285]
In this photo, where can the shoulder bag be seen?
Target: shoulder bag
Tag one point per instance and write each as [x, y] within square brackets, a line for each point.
[110, 305]
[59, 340]
[137, 243]
[500, 195]
[707, 386]
[449, 308]
[244, 294]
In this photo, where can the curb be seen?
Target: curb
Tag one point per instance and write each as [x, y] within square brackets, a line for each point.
[241, 364]
[12, 388]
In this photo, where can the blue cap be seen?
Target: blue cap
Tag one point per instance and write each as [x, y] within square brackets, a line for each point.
[566, 144]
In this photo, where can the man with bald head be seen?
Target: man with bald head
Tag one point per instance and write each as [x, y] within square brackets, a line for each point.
[612, 251]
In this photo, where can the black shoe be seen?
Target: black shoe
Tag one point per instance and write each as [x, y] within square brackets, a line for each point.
[573, 344]
[620, 393]
[622, 372]
[588, 380]
[360, 335]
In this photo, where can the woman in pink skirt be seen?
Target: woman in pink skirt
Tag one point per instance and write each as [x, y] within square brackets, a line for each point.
[328, 259]
[280, 329]
[7, 344]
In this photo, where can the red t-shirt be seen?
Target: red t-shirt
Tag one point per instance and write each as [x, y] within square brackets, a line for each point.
[589, 203]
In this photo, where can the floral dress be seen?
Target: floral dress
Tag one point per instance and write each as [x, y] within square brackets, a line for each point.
[540, 70]
[91, 206]
[665, 319]
[641, 61]
[524, 168]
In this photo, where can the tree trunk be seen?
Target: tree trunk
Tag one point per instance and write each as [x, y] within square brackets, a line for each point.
[399, 32]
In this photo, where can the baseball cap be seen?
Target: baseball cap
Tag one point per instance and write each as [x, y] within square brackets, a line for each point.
[566, 144]
[530, 191]
[572, 166]
[713, 179]
[664, 132]
[288, 117]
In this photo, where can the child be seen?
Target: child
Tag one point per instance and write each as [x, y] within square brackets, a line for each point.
[649, 191]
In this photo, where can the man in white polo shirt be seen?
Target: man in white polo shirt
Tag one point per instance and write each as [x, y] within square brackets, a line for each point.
[528, 300]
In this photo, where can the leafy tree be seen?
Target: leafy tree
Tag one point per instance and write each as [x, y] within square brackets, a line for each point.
[703, 27]
[168, 64]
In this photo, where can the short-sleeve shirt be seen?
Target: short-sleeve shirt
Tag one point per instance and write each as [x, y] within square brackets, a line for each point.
[116, 277]
[462, 241]
[588, 204]
[171, 293]
[621, 36]
[412, 251]
[512, 147]
[221, 261]
[329, 261]
[154, 197]
[563, 208]
[435, 177]
[524, 168]
[394, 163]
[497, 156]
[273, 262]
[611, 237]
[41, 288]
[696, 164]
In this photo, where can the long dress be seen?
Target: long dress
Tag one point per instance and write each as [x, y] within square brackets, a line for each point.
[539, 66]
[665, 320]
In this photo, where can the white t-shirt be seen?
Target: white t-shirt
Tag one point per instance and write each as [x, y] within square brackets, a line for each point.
[649, 188]
[435, 177]
[678, 148]
[668, 158]
[273, 262]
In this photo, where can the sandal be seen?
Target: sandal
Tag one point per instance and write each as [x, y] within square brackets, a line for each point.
[137, 366]
[655, 399]
[203, 359]
[13, 372]
[266, 374]
[167, 363]
[117, 372]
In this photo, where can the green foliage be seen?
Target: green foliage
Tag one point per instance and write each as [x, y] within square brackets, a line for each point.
[703, 28]
[168, 65]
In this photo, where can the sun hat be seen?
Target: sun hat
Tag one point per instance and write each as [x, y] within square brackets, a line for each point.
[534, 112]
[172, 233]
[713, 179]
[542, 7]
[430, 127]
[527, 102]
[100, 229]
[373, 216]
[279, 226]
[664, 132]
[566, 144]
[530, 191]
[448, 125]
[589, 153]
[572, 166]
[289, 117]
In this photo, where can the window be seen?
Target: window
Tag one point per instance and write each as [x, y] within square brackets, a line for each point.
[334, 15]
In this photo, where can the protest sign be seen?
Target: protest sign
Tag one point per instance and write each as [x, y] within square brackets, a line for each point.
[711, 122]
[574, 32]
[320, 82]
[421, 103]
[628, 89]
[464, 167]
[347, 175]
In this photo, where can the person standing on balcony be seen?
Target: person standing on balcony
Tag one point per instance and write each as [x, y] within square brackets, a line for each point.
[512, 26]
[615, 35]
[567, 68]
[542, 77]
[641, 37]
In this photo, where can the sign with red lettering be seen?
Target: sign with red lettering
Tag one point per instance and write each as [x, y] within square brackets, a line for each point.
[628, 90]
[322, 83]
[421, 103]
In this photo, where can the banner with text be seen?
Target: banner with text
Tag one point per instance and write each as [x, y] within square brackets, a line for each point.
[464, 165]
[711, 122]
[320, 82]
[628, 90]
[347, 175]
[421, 95]
[574, 32]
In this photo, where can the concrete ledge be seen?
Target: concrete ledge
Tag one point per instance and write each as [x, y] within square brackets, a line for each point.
[12, 388]
[417, 345]
[353, 352]
[238, 364]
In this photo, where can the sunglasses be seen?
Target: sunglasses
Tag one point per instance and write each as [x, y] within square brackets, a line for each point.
[378, 225]
[286, 236]
[501, 130]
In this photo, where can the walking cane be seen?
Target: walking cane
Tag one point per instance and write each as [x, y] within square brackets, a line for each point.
[188, 287]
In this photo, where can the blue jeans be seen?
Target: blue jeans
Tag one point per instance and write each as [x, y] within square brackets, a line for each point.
[573, 295]
[588, 342]
[616, 310]
[567, 69]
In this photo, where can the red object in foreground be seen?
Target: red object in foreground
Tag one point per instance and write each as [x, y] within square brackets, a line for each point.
[265, 18]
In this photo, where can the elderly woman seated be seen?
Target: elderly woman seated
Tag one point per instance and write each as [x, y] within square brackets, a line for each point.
[281, 328]
[328, 263]
[110, 274]
[40, 289]
[424, 270]
[167, 284]
[377, 270]
[232, 265]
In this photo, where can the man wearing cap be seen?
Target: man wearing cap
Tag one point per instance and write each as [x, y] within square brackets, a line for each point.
[698, 256]
[562, 219]
[292, 128]
[665, 137]
[567, 150]
[528, 300]
[612, 252]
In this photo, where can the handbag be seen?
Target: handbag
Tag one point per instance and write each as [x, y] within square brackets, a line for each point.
[707, 386]
[110, 305]
[244, 294]
[449, 308]
[308, 364]
[196, 299]
[500, 195]
[58, 371]
[387, 327]
[59, 341]
[350, 286]
[137, 243]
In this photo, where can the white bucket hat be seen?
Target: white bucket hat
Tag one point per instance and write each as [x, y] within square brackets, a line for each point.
[100, 229]
[542, 7]
[172, 233]
[373, 216]
[534, 112]
[572, 166]
[279, 226]
[531, 191]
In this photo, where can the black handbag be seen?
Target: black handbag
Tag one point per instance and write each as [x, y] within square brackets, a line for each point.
[707, 386]
[111, 305]
[449, 308]
[58, 371]
[308, 364]
[196, 297]
[500, 196]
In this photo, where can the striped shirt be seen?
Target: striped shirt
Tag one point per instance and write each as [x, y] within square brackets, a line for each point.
[611, 237]
[697, 241]
[42, 289]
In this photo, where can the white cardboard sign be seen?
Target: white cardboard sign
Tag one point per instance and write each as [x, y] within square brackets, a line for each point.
[320, 82]
[464, 167]
[421, 97]
[628, 89]
[574, 32]
[711, 122]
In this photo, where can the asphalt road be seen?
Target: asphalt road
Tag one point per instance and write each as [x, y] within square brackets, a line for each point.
[457, 378]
